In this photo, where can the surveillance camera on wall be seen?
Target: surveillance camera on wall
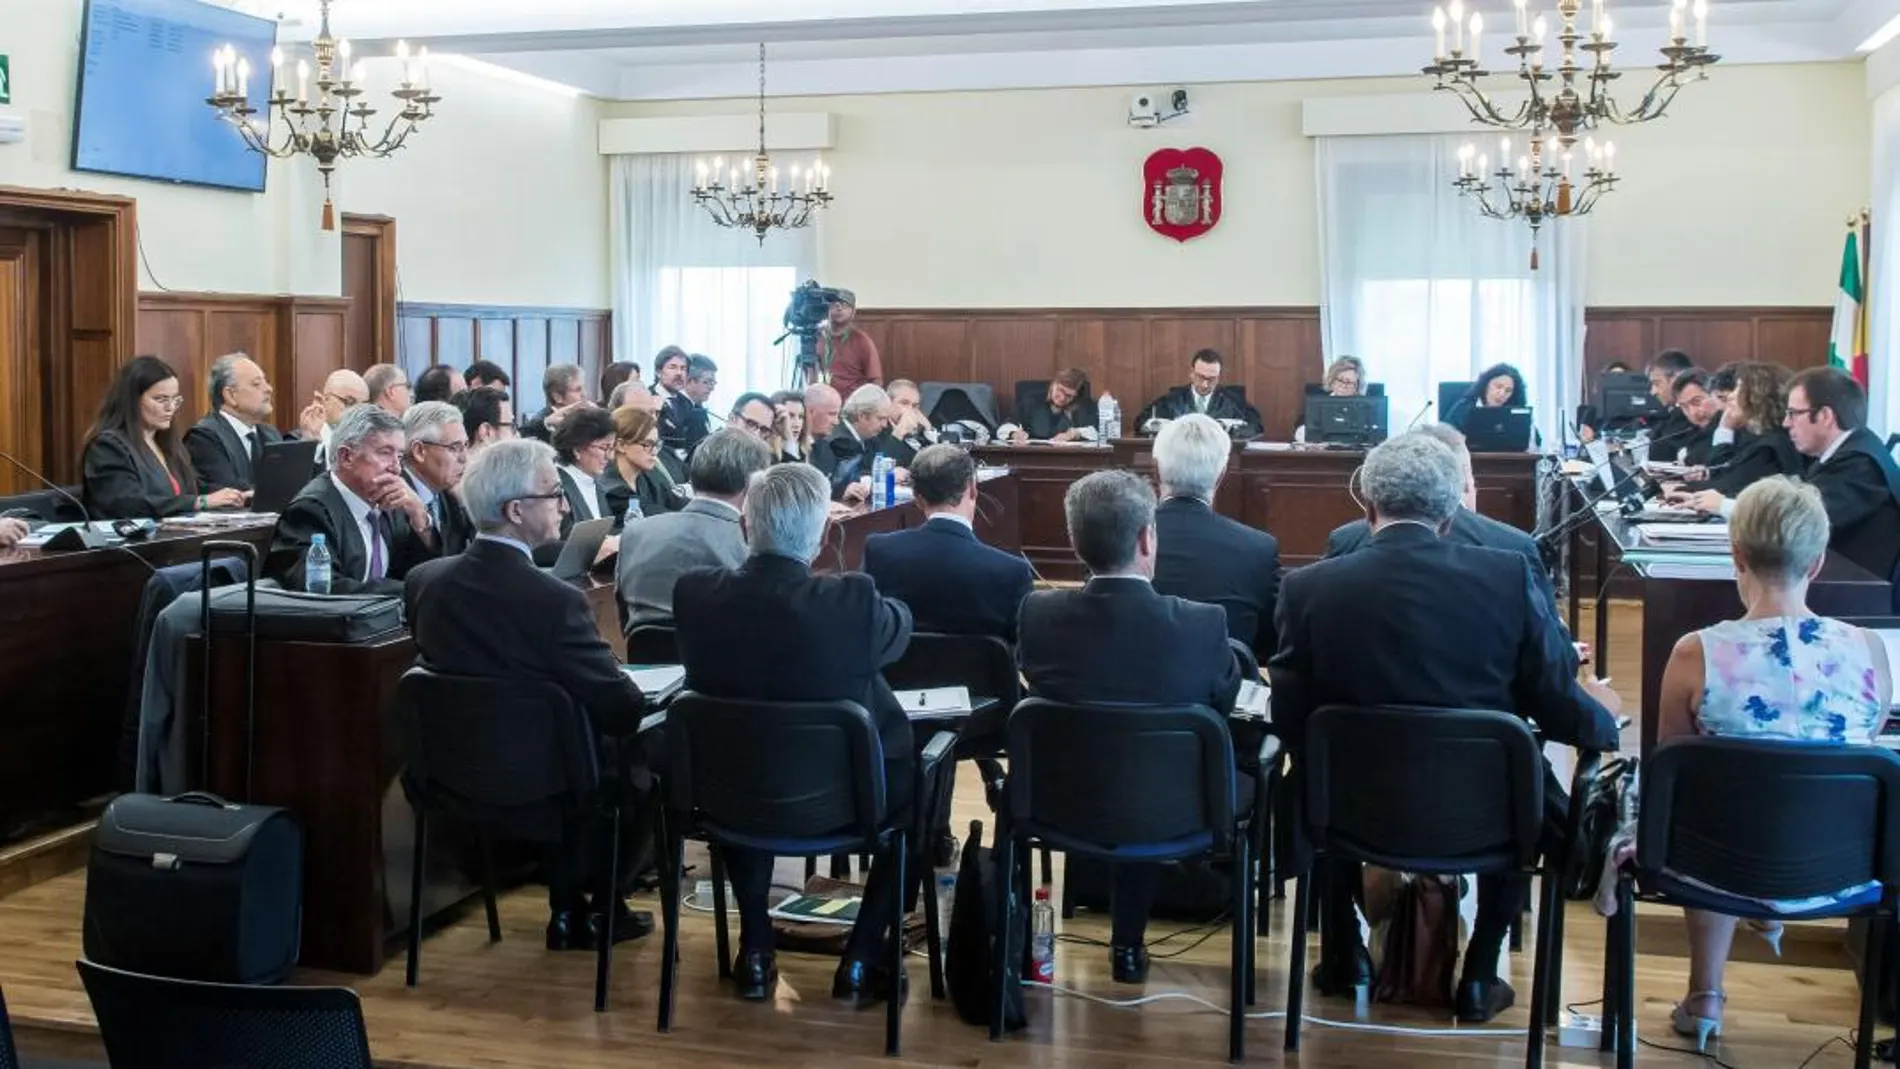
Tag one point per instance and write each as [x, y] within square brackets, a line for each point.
[1145, 110]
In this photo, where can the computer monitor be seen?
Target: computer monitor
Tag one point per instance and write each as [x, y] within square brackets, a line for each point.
[282, 470]
[1625, 398]
[1498, 430]
[1359, 421]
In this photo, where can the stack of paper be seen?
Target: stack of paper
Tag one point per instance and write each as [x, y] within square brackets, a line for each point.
[1253, 702]
[1685, 535]
[658, 682]
[935, 702]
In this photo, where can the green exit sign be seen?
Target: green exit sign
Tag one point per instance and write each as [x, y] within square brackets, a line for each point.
[6, 82]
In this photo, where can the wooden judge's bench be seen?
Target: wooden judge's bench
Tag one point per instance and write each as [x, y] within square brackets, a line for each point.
[1299, 495]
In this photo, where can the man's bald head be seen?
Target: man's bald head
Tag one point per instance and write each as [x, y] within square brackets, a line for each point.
[342, 390]
[822, 405]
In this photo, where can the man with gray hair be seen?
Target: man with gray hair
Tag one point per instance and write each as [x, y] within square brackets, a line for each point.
[227, 443]
[1416, 619]
[388, 388]
[433, 463]
[490, 613]
[1117, 641]
[371, 520]
[1205, 556]
[564, 390]
[1468, 527]
[862, 427]
[772, 631]
[656, 551]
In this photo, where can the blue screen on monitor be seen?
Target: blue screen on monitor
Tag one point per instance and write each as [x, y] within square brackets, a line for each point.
[145, 71]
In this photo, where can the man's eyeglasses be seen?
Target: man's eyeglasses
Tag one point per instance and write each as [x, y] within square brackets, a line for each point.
[761, 429]
[459, 449]
[557, 496]
[1808, 412]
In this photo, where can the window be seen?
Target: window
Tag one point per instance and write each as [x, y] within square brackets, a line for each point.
[1423, 332]
[731, 314]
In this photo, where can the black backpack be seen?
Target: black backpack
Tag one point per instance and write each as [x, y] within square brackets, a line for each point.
[968, 958]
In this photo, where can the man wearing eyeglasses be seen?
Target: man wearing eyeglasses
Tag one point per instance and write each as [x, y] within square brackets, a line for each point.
[343, 390]
[433, 464]
[752, 413]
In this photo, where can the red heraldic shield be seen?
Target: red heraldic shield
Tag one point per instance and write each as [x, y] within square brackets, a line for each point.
[1180, 192]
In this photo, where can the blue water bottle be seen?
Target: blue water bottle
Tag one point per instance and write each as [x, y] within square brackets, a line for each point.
[316, 566]
[890, 481]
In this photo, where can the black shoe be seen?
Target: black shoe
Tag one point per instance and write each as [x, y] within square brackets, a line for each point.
[629, 924]
[756, 974]
[1481, 1000]
[1130, 964]
[1343, 975]
[865, 985]
[567, 932]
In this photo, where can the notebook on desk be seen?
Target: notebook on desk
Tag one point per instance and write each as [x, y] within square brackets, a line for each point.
[659, 682]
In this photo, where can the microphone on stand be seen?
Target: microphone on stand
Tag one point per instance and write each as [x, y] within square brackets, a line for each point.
[1421, 415]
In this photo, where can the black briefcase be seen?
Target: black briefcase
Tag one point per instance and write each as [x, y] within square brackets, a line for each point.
[195, 888]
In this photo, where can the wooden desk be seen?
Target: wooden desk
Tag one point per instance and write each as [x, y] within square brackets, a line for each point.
[997, 523]
[1298, 495]
[66, 666]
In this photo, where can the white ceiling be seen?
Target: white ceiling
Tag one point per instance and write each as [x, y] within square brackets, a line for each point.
[671, 49]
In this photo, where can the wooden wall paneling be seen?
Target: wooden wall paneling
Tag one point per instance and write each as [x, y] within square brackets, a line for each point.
[1278, 355]
[564, 346]
[1124, 365]
[1797, 341]
[454, 340]
[313, 333]
[495, 340]
[531, 354]
[415, 345]
[1008, 350]
[925, 350]
[22, 354]
[597, 345]
[1793, 336]
[1711, 341]
[1607, 340]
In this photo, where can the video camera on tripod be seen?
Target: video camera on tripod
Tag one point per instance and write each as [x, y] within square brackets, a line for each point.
[805, 316]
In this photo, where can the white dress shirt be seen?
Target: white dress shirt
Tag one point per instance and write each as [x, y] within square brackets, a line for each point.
[245, 431]
[360, 512]
[1724, 435]
[590, 498]
[953, 517]
[1833, 448]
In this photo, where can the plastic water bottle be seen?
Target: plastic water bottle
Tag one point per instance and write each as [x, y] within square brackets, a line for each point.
[316, 566]
[1111, 414]
[946, 900]
[1042, 939]
[880, 494]
[890, 480]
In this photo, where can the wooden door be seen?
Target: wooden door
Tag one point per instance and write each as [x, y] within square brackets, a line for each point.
[22, 355]
[369, 284]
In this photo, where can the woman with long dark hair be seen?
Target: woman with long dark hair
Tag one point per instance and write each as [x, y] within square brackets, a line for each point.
[135, 465]
[1500, 386]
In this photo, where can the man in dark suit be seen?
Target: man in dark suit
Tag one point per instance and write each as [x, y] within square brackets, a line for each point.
[1204, 394]
[373, 522]
[562, 386]
[1695, 399]
[1857, 477]
[491, 613]
[823, 409]
[1417, 619]
[911, 432]
[861, 428]
[226, 444]
[951, 581]
[1119, 641]
[1467, 528]
[1672, 430]
[433, 461]
[683, 417]
[1204, 556]
[773, 631]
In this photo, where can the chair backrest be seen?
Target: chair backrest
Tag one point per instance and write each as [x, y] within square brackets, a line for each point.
[1449, 394]
[983, 663]
[150, 1022]
[1421, 789]
[1769, 819]
[652, 644]
[1095, 778]
[495, 744]
[755, 772]
[44, 505]
[948, 402]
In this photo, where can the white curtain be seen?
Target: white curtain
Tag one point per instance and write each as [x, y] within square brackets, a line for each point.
[680, 279]
[1883, 378]
[1424, 289]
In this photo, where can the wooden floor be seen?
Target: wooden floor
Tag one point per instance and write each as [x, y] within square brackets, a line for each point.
[513, 1004]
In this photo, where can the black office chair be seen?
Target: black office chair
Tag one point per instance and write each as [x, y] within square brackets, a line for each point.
[1126, 784]
[1761, 820]
[506, 755]
[652, 644]
[794, 779]
[150, 1022]
[1460, 791]
[46, 505]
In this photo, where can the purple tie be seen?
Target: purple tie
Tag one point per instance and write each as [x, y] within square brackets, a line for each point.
[379, 533]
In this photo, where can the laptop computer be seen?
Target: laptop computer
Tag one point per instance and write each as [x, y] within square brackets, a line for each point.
[580, 549]
[1498, 430]
[282, 469]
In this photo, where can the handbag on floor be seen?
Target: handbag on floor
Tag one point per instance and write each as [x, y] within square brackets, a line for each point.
[968, 962]
[1421, 944]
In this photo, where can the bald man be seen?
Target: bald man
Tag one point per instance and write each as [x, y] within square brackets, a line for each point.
[822, 405]
[341, 390]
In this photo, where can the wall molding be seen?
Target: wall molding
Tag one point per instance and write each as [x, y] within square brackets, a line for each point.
[523, 339]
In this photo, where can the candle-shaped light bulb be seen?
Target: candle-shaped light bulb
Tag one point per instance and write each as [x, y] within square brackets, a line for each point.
[1457, 14]
[699, 174]
[1477, 30]
[775, 181]
[303, 80]
[1702, 23]
[1523, 169]
[1523, 17]
[243, 76]
[1438, 33]
[1540, 29]
[422, 67]
[217, 72]
[1675, 21]
[1484, 163]
[1609, 28]
[1596, 19]
[1504, 148]
[276, 64]
[1609, 155]
[402, 51]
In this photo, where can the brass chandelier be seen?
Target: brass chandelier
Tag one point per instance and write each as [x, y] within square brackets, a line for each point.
[1547, 182]
[332, 126]
[753, 199]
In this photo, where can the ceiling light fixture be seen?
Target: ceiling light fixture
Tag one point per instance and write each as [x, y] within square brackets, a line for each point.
[757, 204]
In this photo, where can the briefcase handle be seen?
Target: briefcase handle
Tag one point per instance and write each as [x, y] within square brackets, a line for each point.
[204, 798]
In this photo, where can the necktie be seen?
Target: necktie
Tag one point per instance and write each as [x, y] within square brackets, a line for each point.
[435, 512]
[378, 535]
[256, 447]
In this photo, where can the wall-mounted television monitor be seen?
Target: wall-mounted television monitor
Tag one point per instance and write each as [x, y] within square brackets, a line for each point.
[144, 73]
